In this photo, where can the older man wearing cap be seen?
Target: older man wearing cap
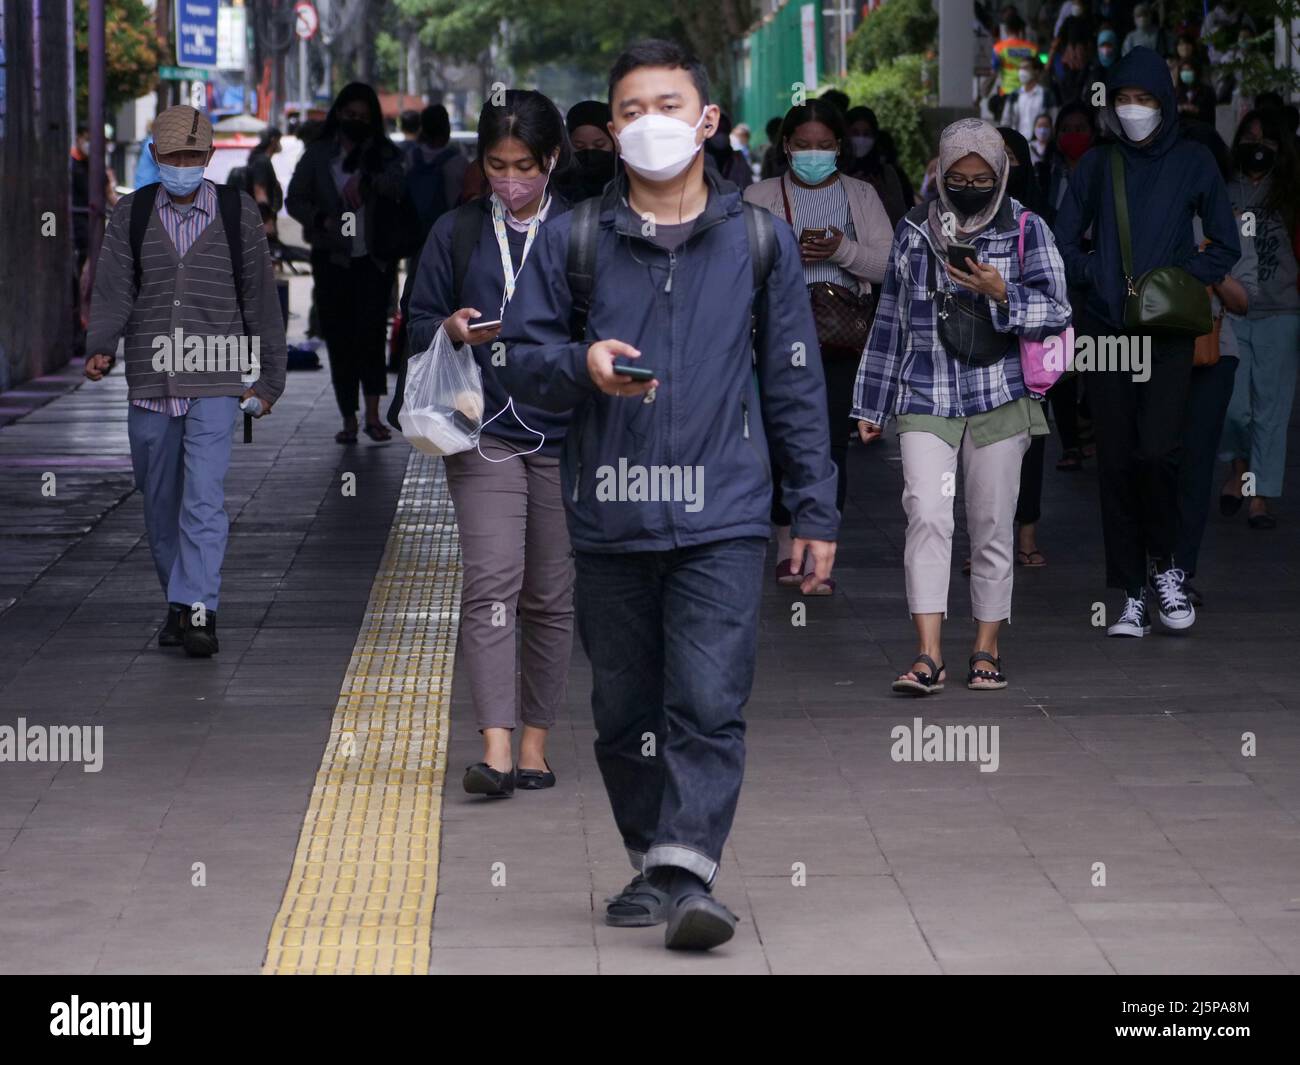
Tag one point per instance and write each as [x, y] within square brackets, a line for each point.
[185, 280]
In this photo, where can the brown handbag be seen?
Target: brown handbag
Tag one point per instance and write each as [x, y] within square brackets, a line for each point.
[842, 317]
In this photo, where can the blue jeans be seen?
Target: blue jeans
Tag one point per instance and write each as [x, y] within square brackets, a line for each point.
[672, 638]
[1262, 394]
[180, 468]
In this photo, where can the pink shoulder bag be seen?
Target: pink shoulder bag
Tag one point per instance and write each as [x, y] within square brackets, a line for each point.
[1043, 361]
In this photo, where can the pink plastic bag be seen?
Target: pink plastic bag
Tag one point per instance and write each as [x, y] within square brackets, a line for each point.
[1043, 361]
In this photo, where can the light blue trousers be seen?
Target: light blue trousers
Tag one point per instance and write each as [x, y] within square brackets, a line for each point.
[1255, 428]
[180, 468]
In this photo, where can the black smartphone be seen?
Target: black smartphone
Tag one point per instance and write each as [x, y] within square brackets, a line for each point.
[636, 373]
[960, 255]
[484, 325]
[813, 234]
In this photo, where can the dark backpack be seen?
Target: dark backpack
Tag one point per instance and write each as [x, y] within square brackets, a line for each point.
[230, 209]
[427, 188]
[580, 265]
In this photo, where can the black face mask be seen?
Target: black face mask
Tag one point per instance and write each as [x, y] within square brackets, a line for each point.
[1253, 157]
[595, 161]
[355, 129]
[970, 202]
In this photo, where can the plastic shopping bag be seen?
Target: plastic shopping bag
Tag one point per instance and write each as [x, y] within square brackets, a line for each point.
[442, 401]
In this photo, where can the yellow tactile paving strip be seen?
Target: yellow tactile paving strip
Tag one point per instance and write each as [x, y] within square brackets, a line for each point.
[361, 892]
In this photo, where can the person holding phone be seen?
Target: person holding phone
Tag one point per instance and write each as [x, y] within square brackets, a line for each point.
[514, 545]
[844, 239]
[943, 360]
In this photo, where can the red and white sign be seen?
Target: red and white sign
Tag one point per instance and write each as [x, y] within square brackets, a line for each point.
[306, 21]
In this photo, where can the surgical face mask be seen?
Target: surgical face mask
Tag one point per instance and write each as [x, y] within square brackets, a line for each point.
[658, 147]
[1025, 76]
[355, 129]
[1187, 77]
[1073, 145]
[813, 167]
[862, 144]
[180, 180]
[1106, 54]
[1139, 122]
[515, 192]
[1042, 134]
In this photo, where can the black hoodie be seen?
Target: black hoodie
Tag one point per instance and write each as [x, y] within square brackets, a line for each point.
[1168, 180]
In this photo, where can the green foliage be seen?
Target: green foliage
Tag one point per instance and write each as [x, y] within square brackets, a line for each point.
[893, 91]
[1255, 70]
[388, 58]
[131, 56]
[898, 28]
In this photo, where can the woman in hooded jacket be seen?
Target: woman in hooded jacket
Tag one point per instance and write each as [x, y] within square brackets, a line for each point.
[943, 361]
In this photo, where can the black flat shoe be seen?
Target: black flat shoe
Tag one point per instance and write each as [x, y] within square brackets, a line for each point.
[172, 634]
[699, 922]
[200, 641]
[1262, 521]
[482, 779]
[534, 779]
[1229, 505]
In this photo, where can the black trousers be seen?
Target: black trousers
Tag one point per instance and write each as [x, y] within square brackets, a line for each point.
[352, 302]
[840, 375]
[1139, 430]
[1030, 502]
[1064, 398]
[1208, 394]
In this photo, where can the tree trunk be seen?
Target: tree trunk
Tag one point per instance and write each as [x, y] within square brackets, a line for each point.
[37, 263]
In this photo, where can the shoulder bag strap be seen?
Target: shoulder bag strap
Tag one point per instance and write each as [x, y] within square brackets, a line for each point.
[1121, 214]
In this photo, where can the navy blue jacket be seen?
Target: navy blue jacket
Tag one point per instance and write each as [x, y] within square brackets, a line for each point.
[1168, 181]
[432, 300]
[688, 313]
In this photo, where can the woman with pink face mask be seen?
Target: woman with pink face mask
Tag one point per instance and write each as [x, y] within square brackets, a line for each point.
[514, 541]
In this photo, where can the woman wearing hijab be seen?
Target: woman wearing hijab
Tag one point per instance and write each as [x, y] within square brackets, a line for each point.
[335, 193]
[943, 360]
[594, 161]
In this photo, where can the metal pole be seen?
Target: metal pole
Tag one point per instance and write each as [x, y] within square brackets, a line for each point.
[95, 120]
[844, 38]
[303, 95]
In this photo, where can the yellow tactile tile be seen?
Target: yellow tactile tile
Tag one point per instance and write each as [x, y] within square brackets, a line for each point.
[360, 895]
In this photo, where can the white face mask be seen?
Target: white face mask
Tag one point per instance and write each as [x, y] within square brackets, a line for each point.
[1042, 134]
[1025, 76]
[1139, 122]
[658, 147]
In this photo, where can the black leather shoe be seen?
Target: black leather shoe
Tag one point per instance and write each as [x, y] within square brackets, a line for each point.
[534, 779]
[482, 779]
[201, 640]
[698, 922]
[173, 632]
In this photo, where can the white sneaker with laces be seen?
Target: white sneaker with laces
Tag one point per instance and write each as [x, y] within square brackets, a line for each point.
[1133, 620]
[1172, 603]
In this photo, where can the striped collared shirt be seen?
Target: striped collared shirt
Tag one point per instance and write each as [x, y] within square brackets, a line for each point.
[183, 227]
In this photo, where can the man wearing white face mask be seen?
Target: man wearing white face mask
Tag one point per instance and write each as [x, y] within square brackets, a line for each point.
[677, 272]
[186, 261]
[1138, 413]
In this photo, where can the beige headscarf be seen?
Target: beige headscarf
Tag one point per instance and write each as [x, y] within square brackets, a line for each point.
[957, 141]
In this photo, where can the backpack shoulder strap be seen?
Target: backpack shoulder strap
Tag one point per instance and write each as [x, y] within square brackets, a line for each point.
[762, 242]
[464, 236]
[141, 209]
[581, 262]
[228, 202]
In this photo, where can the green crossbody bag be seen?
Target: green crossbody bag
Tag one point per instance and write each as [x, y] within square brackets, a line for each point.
[1167, 300]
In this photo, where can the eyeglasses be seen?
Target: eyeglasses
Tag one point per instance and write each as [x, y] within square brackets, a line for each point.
[957, 181]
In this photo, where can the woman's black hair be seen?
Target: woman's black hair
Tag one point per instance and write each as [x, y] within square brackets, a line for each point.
[818, 110]
[861, 113]
[270, 136]
[379, 147]
[1284, 186]
[1074, 107]
[531, 119]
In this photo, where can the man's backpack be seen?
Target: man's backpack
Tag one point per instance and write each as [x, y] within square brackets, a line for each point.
[230, 209]
[580, 266]
[427, 186]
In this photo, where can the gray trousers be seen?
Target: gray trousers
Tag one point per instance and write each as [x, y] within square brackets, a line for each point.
[992, 476]
[517, 563]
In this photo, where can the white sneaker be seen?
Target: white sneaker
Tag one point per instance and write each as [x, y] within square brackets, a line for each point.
[1133, 620]
[1172, 603]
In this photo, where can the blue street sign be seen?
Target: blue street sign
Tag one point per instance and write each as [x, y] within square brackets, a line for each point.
[196, 33]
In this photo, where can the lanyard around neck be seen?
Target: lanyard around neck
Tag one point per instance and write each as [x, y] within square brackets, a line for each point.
[503, 245]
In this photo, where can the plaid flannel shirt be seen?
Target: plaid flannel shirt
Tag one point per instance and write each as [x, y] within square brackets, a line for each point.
[905, 368]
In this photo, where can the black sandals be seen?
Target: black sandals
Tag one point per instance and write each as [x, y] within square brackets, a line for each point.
[925, 683]
[989, 679]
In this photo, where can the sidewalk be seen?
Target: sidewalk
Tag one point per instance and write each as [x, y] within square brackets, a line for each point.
[1122, 753]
